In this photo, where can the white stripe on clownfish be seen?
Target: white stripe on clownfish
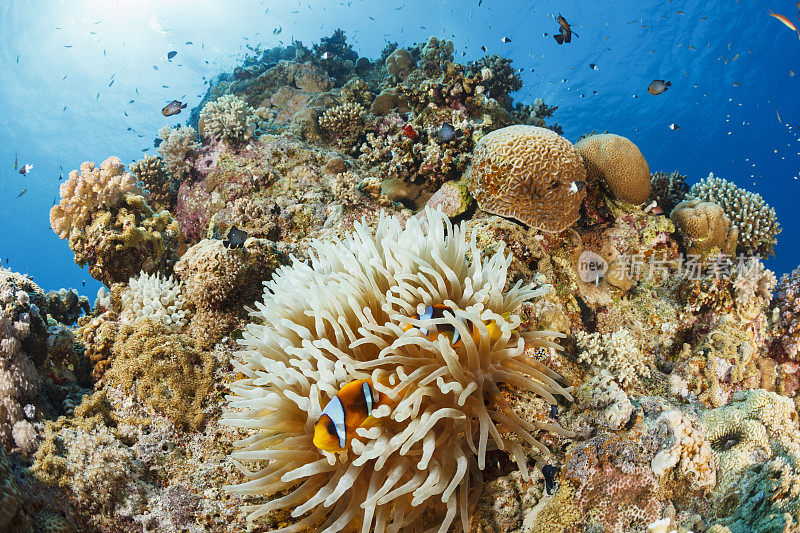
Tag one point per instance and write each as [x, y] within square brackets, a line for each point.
[335, 410]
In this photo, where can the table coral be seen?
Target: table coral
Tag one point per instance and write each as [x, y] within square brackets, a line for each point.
[615, 163]
[530, 174]
[756, 221]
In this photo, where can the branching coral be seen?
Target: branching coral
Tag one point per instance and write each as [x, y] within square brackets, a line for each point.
[166, 370]
[177, 148]
[343, 124]
[352, 313]
[153, 177]
[787, 324]
[499, 77]
[154, 297]
[530, 174]
[616, 352]
[20, 326]
[109, 225]
[757, 222]
[667, 189]
[228, 118]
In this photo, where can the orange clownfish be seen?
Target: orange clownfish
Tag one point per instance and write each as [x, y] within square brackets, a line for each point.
[350, 409]
[437, 311]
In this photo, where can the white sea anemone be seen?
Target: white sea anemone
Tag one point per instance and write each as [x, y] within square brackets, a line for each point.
[157, 297]
[353, 312]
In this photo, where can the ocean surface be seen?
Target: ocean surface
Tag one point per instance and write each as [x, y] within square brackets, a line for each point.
[83, 80]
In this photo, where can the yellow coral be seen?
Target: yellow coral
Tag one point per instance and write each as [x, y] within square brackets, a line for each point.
[703, 228]
[618, 164]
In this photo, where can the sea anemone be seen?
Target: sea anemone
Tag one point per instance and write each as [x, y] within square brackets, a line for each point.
[357, 310]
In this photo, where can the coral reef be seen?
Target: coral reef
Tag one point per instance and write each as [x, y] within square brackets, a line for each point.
[152, 176]
[787, 309]
[343, 124]
[530, 174]
[756, 221]
[616, 352]
[66, 305]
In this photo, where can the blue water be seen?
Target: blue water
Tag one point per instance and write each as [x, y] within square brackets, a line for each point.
[58, 59]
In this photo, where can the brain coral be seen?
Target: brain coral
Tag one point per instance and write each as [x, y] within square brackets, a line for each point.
[617, 163]
[531, 174]
[227, 118]
[352, 313]
[703, 227]
[757, 222]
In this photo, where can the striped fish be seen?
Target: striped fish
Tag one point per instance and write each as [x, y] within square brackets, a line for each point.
[350, 409]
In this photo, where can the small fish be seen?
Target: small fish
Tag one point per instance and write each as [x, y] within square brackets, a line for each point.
[155, 67]
[23, 192]
[277, 31]
[16, 161]
[658, 86]
[112, 83]
[483, 48]
[83, 282]
[67, 46]
[553, 412]
[564, 32]
[25, 169]
[235, 239]
[577, 186]
[189, 43]
[172, 108]
[592, 66]
[736, 84]
[17, 58]
[791, 73]
[171, 54]
[505, 40]
[786, 22]
[60, 177]
[65, 77]
[327, 55]
[674, 126]
[349, 410]
[447, 133]
[780, 120]
[549, 472]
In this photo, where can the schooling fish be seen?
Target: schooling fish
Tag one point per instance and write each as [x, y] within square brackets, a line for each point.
[658, 86]
[349, 410]
[171, 54]
[24, 169]
[172, 108]
[23, 192]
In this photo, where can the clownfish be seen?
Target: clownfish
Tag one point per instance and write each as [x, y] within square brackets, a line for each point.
[448, 331]
[350, 409]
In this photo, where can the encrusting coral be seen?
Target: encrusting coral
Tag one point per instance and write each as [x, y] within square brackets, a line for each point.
[353, 313]
[228, 119]
[165, 370]
[530, 174]
[756, 221]
[615, 163]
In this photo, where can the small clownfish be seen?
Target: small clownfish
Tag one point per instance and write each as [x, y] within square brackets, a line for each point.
[350, 409]
[437, 311]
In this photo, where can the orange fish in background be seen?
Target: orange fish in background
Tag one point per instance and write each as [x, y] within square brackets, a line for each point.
[786, 22]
